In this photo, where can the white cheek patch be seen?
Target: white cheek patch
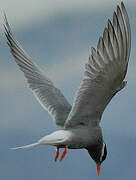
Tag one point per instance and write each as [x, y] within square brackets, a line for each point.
[102, 153]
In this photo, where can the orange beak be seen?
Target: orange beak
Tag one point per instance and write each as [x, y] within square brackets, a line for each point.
[98, 169]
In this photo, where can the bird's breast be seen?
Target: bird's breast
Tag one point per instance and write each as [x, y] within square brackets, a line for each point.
[84, 137]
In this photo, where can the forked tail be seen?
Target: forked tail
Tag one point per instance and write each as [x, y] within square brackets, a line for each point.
[26, 146]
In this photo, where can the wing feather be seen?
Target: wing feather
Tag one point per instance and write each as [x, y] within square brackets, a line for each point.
[104, 72]
[44, 90]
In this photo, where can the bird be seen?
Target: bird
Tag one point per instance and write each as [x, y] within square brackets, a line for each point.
[104, 76]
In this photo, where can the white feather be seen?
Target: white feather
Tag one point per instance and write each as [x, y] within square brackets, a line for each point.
[26, 146]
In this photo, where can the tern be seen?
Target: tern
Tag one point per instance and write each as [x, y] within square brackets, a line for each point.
[104, 76]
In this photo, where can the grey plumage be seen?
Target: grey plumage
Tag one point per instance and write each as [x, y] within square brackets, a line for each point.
[104, 72]
[104, 77]
[44, 90]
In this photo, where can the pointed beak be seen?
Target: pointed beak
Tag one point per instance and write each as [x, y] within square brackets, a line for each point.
[98, 169]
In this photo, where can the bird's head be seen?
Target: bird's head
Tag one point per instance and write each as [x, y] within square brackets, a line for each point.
[98, 154]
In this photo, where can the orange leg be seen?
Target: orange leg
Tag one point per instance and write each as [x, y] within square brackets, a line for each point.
[64, 154]
[57, 154]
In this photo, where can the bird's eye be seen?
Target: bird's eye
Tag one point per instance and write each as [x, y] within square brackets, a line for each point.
[81, 123]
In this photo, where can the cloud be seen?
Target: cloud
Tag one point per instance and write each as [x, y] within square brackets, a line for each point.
[67, 69]
[65, 74]
[26, 11]
[61, 73]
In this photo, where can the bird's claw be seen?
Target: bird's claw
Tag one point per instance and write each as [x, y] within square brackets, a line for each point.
[62, 156]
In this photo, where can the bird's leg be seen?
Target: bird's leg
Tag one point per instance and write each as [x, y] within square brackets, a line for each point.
[64, 153]
[57, 154]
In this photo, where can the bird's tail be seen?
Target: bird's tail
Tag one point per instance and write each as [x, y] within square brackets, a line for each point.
[26, 146]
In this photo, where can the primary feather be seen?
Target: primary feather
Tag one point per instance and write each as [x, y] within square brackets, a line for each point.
[104, 72]
[44, 90]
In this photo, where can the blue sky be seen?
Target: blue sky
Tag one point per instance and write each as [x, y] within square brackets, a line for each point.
[58, 35]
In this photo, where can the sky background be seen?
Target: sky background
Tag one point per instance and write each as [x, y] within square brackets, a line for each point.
[58, 34]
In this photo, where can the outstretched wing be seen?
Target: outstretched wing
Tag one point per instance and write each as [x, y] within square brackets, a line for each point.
[104, 72]
[44, 90]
